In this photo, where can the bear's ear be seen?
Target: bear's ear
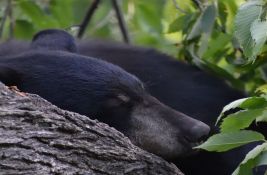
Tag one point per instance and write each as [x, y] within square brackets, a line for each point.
[9, 76]
[54, 39]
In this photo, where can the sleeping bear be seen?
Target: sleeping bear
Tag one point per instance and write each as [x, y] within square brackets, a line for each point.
[183, 87]
[100, 90]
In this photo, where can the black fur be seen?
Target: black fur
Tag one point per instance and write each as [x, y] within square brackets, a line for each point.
[183, 87]
[49, 39]
[102, 91]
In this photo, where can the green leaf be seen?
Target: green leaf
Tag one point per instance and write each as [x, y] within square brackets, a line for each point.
[204, 41]
[23, 29]
[244, 103]
[251, 160]
[212, 68]
[262, 89]
[204, 23]
[37, 15]
[217, 44]
[254, 103]
[58, 7]
[79, 9]
[240, 120]
[262, 117]
[32, 10]
[177, 24]
[148, 15]
[226, 141]
[262, 159]
[258, 31]
[233, 104]
[246, 15]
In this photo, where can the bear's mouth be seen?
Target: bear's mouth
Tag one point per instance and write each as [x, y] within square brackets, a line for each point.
[193, 150]
[189, 147]
[194, 144]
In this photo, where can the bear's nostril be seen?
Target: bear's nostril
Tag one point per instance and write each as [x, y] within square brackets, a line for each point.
[199, 132]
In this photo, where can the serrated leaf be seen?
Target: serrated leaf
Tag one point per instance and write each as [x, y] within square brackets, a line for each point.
[240, 120]
[262, 117]
[204, 23]
[231, 105]
[226, 141]
[253, 103]
[246, 15]
[258, 31]
[244, 103]
[250, 161]
[213, 68]
[262, 159]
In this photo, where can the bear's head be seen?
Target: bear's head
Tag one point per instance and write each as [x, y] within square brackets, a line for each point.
[101, 91]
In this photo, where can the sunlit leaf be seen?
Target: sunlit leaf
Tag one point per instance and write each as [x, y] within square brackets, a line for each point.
[250, 161]
[177, 24]
[262, 89]
[217, 44]
[226, 141]
[204, 23]
[24, 29]
[37, 15]
[258, 31]
[240, 120]
[247, 14]
[244, 103]
[57, 7]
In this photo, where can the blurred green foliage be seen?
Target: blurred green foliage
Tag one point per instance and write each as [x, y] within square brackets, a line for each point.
[200, 34]
[144, 18]
[250, 26]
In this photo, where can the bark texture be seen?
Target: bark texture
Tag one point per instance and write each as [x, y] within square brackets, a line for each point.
[36, 137]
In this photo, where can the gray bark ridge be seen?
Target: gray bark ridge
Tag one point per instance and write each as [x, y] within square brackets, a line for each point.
[36, 137]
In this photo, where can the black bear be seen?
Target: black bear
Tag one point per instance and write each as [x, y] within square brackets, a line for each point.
[181, 86]
[51, 68]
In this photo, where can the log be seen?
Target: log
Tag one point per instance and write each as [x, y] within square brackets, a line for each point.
[37, 137]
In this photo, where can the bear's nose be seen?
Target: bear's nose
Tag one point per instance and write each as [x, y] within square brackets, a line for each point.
[199, 132]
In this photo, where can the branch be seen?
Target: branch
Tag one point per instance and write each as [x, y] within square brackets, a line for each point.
[39, 138]
[198, 4]
[121, 21]
[88, 17]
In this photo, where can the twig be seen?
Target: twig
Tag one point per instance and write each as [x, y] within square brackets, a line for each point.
[2, 24]
[178, 8]
[121, 21]
[87, 17]
[10, 14]
[198, 4]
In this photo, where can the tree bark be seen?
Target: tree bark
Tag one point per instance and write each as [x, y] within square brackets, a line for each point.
[36, 137]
